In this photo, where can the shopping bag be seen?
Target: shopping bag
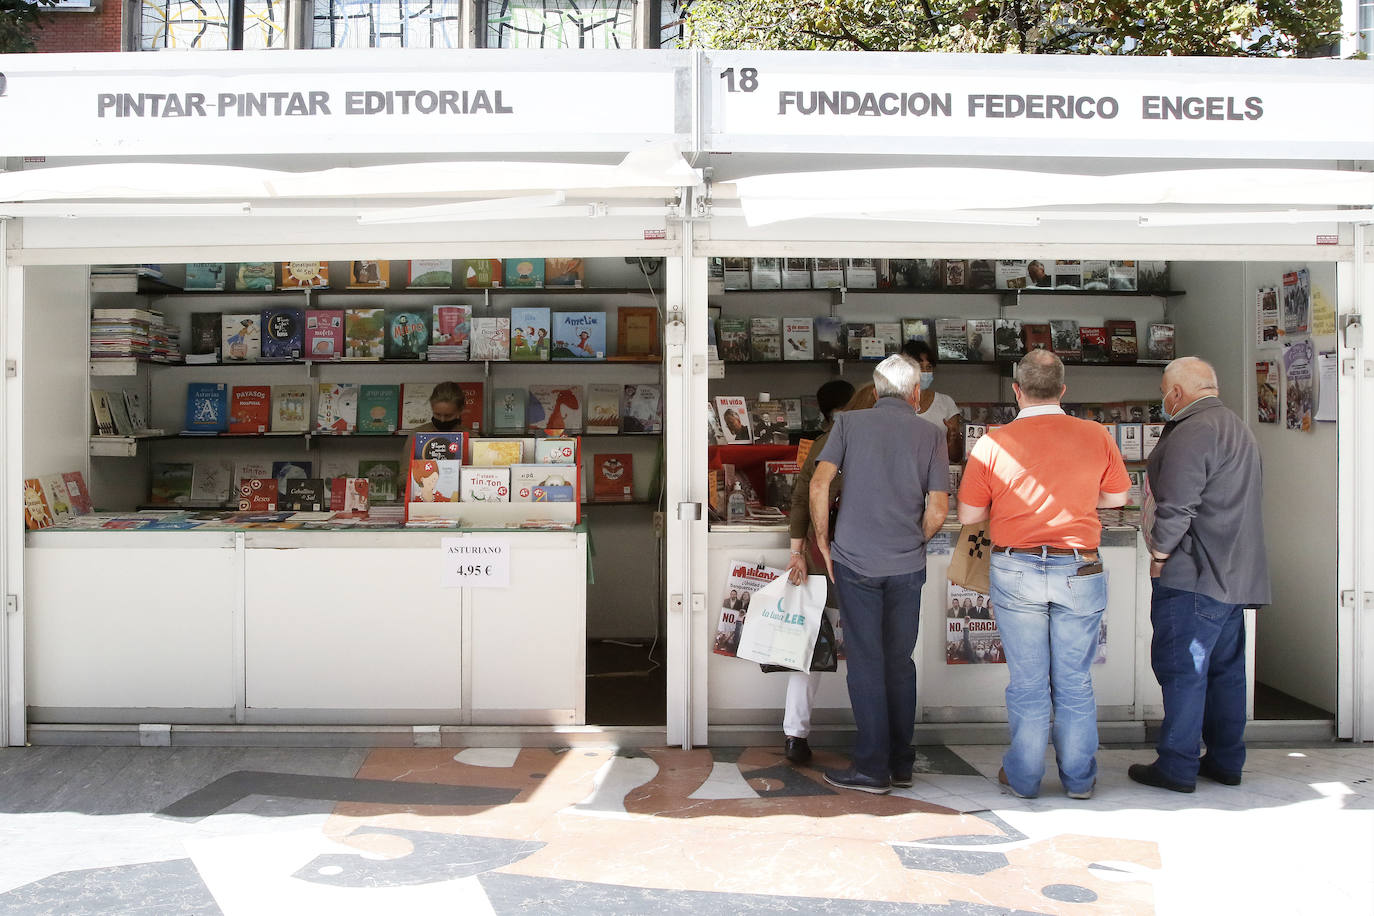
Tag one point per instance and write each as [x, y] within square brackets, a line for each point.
[971, 558]
[826, 655]
[782, 623]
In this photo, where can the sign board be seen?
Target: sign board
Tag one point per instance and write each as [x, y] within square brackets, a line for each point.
[343, 101]
[475, 563]
[985, 105]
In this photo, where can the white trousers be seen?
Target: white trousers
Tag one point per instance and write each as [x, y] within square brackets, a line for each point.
[801, 696]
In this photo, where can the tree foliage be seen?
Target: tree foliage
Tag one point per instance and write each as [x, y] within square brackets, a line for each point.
[1214, 28]
[18, 19]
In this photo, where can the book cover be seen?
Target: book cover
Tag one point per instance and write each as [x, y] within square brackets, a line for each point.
[637, 331]
[1037, 336]
[304, 274]
[369, 274]
[765, 339]
[119, 411]
[240, 338]
[765, 273]
[203, 337]
[104, 416]
[497, 452]
[1095, 275]
[767, 421]
[1012, 275]
[1094, 343]
[378, 409]
[529, 334]
[382, 477]
[732, 339]
[553, 408]
[641, 408]
[579, 335]
[563, 272]
[248, 469]
[734, 419]
[1152, 276]
[855, 333]
[827, 273]
[55, 492]
[415, 409]
[283, 471]
[335, 467]
[283, 333]
[792, 407]
[555, 451]
[1121, 275]
[336, 407]
[613, 478]
[364, 333]
[922, 329]
[1037, 276]
[736, 273]
[324, 334]
[431, 274]
[77, 494]
[798, 339]
[603, 408]
[956, 273]
[348, 497]
[37, 512]
[1068, 274]
[829, 337]
[980, 340]
[205, 276]
[508, 409]
[470, 417]
[171, 484]
[407, 334]
[480, 273]
[1160, 341]
[1007, 338]
[207, 407]
[439, 446]
[250, 409]
[1151, 434]
[491, 338]
[257, 494]
[1121, 337]
[290, 409]
[861, 273]
[1065, 340]
[1131, 437]
[779, 479]
[982, 274]
[951, 339]
[1267, 391]
[256, 276]
[308, 495]
[484, 485]
[523, 273]
[451, 333]
[212, 482]
[796, 273]
[542, 483]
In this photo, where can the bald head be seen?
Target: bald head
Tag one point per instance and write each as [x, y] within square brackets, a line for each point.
[1185, 380]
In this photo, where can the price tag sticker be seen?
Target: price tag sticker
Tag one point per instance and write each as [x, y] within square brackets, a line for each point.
[475, 563]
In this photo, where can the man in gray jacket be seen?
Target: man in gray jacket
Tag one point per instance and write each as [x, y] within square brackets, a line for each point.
[1207, 564]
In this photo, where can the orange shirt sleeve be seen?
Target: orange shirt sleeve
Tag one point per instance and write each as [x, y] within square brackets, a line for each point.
[1114, 478]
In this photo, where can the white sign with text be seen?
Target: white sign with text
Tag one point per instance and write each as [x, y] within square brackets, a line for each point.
[475, 563]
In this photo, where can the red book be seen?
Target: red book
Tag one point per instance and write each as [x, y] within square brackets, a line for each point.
[471, 417]
[76, 491]
[258, 494]
[250, 409]
[1037, 337]
[1094, 340]
[348, 497]
[324, 333]
[613, 478]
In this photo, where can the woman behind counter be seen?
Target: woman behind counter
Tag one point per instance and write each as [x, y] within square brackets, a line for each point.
[935, 407]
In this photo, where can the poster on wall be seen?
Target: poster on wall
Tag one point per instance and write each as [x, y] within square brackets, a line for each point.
[1299, 395]
[1267, 317]
[1297, 302]
[1267, 390]
[971, 636]
[1326, 388]
[745, 579]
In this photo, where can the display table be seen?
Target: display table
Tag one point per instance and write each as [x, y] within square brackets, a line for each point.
[301, 627]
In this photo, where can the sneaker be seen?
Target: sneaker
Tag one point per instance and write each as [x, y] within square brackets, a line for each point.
[1002, 778]
[1205, 767]
[1147, 774]
[796, 750]
[853, 779]
[1085, 794]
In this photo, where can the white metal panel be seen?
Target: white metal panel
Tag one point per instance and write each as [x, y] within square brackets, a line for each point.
[12, 718]
[348, 628]
[127, 620]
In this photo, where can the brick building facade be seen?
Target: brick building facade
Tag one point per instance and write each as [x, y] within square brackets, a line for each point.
[97, 29]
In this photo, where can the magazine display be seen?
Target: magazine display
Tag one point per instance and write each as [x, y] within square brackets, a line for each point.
[1297, 302]
[1267, 390]
[1267, 330]
[1300, 393]
[745, 579]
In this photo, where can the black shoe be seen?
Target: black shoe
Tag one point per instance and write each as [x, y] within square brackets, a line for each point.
[901, 779]
[1147, 774]
[853, 779]
[796, 750]
[1206, 767]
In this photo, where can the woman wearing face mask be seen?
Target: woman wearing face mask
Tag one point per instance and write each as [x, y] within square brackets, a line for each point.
[445, 408]
[937, 408]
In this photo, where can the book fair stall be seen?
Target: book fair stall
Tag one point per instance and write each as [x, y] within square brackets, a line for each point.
[241, 508]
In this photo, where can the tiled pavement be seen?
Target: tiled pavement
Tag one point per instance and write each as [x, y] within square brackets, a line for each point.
[664, 831]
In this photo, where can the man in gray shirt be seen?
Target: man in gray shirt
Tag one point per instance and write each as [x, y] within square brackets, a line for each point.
[1207, 564]
[896, 496]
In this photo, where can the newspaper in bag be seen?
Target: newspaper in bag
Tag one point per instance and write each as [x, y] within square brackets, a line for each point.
[784, 620]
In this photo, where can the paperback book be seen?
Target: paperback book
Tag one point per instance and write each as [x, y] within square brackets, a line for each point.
[951, 335]
[1121, 337]
[734, 420]
[1037, 336]
[829, 332]
[796, 273]
[450, 338]
[981, 334]
[732, 339]
[735, 273]
[827, 273]
[204, 338]
[855, 333]
[1012, 275]
[765, 273]
[1068, 274]
[1008, 340]
[982, 274]
[779, 479]
[1094, 344]
[861, 273]
[765, 339]
[1160, 341]
[890, 333]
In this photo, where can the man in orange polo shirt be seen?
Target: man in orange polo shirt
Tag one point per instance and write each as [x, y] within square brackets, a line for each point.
[1041, 480]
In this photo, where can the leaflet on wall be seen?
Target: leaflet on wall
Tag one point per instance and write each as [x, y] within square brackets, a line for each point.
[745, 579]
[1326, 388]
[1267, 391]
[1297, 302]
[1267, 317]
[971, 636]
[1299, 398]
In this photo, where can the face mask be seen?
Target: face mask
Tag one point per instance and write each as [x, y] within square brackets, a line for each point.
[445, 426]
[1164, 410]
[927, 380]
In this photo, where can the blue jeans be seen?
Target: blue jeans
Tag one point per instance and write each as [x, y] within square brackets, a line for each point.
[881, 615]
[1198, 655]
[1048, 619]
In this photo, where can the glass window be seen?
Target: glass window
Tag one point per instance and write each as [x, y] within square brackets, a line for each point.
[560, 23]
[388, 24]
[672, 19]
[1366, 27]
[204, 24]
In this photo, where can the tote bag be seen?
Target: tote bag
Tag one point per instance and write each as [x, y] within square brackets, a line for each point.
[971, 558]
[782, 623]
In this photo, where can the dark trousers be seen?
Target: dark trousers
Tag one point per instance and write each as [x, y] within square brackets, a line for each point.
[881, 616]
[1198, 656]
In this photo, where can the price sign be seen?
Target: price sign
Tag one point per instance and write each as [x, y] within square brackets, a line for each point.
[475, 563]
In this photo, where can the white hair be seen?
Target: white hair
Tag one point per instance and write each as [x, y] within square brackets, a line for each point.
[898, 376]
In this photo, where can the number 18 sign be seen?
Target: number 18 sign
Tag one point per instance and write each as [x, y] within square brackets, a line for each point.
[475, 563]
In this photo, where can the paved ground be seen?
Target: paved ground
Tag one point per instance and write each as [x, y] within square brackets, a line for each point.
[664, 831]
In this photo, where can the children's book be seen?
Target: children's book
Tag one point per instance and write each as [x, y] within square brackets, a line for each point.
[240, 338]
[283, 333]
[603, 408]
[431, 274]
[563, 271]
[290, 409]
[508, 409]
[491, 338]
[613, 478]
[104, 416]
[55, 491]
[348, 496]
[407, 334]
[204, 276]
[250, 409]
[212, 482]
[451, 330]
[523, 273]
[415, 409]
[257, 494]
[554, 408]
[246, 470]
[203, 339]
[529, 334]
[382, 479]
[471, 416]
[369, 274]
[480, 273]
[119, 410]
[555, 451]
[439, 446]
[207, 408]
[324, 334]
[304, 274]
[542, 483]
[497, 452]
[798, 339]
[336, 408]
[77, 494]
[641, 408]
[37, 512]
[364, 333]
[485, 485]
[378, 408]
[308, 495]
[256, 276]
[171, 483]
[579, 336]
[283, 471]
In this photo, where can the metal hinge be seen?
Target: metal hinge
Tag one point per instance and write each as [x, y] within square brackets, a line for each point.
[1348, 599]
[11, 604]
